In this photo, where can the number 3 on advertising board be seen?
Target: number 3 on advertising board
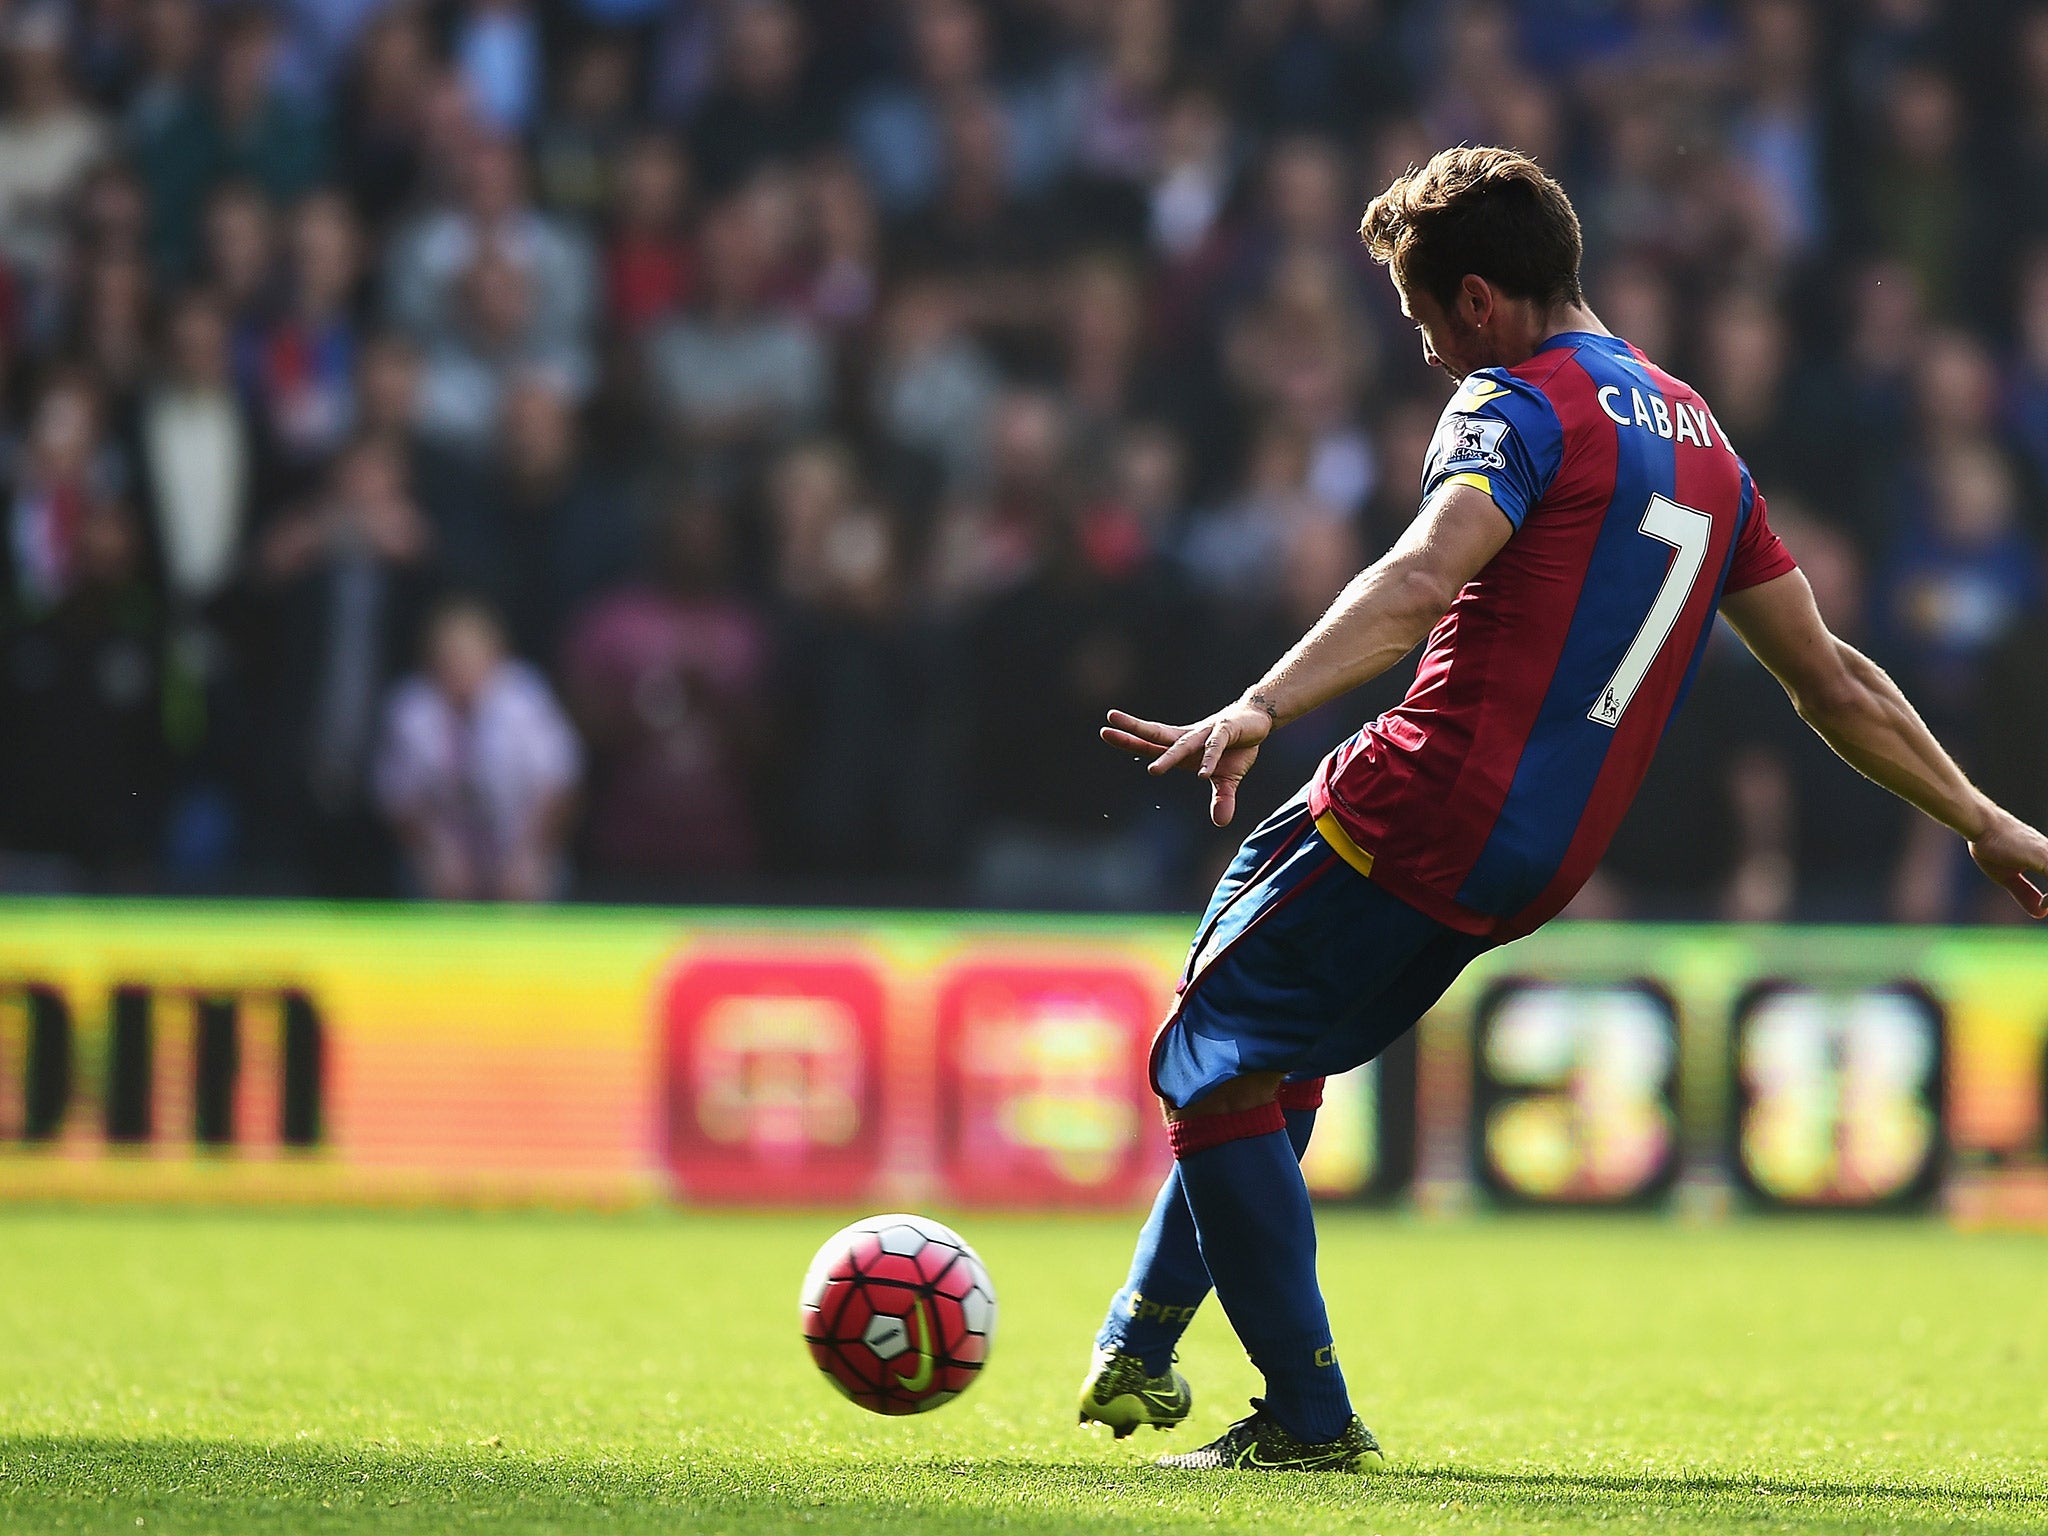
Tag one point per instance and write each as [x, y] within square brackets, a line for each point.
[1689, 532]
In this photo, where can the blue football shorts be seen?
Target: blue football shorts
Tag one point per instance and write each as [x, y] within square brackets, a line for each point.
[1301, 966]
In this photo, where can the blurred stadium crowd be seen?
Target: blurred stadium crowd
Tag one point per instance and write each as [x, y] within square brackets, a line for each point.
[737, 449]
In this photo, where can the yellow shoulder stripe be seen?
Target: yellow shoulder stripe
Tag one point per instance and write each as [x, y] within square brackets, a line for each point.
[1477, 482]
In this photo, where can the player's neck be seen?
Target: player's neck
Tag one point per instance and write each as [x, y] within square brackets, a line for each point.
[1567, 318]
[1522, 335]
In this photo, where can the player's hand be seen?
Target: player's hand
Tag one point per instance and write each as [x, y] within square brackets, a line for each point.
[1221, 748]
[2016, 857]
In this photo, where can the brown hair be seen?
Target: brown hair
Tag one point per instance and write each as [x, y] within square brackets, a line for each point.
[1489, 212]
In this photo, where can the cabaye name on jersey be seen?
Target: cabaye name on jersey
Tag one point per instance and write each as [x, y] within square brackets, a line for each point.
[1685, 423]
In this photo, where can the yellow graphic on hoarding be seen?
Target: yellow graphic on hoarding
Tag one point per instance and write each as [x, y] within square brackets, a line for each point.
[1838, 1094]
[1597, 1127]
[1054, 1070]
[779, 1074]
[1340, 1157]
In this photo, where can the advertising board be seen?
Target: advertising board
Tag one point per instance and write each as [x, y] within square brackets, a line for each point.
[589, 1056]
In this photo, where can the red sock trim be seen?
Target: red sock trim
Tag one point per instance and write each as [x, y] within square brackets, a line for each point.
[1303, 1093]
[1198, 1133]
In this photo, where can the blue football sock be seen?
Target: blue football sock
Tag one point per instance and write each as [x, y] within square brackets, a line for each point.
[1258, 1236]
[1168, 1279]
[1167, 1282]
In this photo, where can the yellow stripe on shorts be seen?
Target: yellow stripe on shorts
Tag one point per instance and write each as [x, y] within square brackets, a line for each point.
[1335, 835]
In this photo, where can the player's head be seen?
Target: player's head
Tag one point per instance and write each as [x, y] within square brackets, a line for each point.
[1483, 248]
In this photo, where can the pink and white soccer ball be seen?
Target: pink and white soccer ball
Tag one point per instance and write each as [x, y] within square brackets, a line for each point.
[898, 1312]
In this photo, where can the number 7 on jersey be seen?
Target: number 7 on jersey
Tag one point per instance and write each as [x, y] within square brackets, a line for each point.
[1689, 533]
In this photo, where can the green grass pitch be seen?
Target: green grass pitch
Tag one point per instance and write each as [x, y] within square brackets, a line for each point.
[191, 1372]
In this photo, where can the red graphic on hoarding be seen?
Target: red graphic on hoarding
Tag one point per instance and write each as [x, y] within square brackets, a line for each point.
[1043, 1096]
[773, 1076]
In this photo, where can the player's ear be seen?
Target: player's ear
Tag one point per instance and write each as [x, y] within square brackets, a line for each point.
[1475, 299]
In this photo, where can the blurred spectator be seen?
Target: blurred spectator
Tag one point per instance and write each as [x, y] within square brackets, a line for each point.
[347, 573]
[734, 374]
[898, 128]
[1859, 405]
[48, 141]
[2026, 392]
[934, 386]
[1238, 552]
[1192, 174]
[845, 277]
[979, 230]
[384, 112]
[430, 288]
[111, 327]
[167, 127]
[667, 684]
[197, 460]
[1302, 356]
[1131, 519]
[83, 775]
[1810, 843]
[238, 259]
[1058, 821]
[1744, 354]
[763, 111]
[262, 131]
[1116, 137]
[1920, 203]
[1963, 578]
[1634, 301]
[992, 538]
[497, 49]
[319, 36]
[303, 368]
[59, 481]
[651, 263]
[577, 158]
[544, 529]
[1104, 376]
[498, 335]
[854, 743]
[112, 215]
[2023, 151]
[1780, 131]
[2012, 757]
[477, 769]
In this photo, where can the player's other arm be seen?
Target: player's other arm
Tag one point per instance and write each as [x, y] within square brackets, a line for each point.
[1376, 620]
[1860, 712]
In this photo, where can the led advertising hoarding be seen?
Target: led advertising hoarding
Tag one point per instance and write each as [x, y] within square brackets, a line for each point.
[586, 1056]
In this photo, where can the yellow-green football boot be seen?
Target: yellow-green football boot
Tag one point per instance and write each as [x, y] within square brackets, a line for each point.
[1119, 1393]
[1258, 1443]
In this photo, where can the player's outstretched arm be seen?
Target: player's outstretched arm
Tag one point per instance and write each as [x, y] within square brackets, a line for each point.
[1376, 620]
[1860, 712]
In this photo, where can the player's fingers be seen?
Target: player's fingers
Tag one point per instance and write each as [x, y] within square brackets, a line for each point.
[1147, 730]
[1124, 741]
[1222, 801]
[2031, 897]
[1185, 747]
[1212, 752]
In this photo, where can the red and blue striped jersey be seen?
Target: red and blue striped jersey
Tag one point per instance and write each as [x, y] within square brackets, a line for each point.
[1487, 797]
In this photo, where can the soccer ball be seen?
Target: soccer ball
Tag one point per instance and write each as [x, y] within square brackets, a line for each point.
[898, 1312]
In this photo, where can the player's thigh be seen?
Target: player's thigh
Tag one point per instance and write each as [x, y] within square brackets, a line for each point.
[1254, 875]
[1319, 947]
[1376, 1021]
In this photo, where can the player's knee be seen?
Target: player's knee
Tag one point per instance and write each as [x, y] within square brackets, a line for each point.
[1252, 1091]
[1237, 1110]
